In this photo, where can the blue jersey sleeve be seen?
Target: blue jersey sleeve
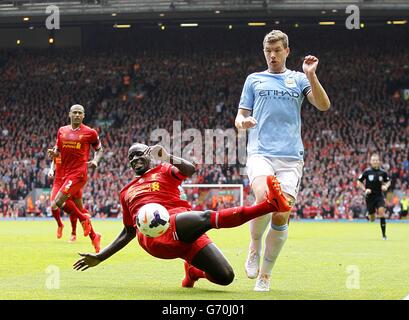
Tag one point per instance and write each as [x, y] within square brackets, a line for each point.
[303, 83]
[247, 95]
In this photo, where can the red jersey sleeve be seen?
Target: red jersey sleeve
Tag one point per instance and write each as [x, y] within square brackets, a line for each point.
[172, 171]
[127, 218]
[95, 142]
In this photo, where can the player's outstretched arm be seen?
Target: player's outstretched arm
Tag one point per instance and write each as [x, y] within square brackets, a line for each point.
[89, 260]
[185, 167]
[317, 96]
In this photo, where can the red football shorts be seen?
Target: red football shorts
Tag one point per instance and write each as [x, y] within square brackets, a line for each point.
[168, 246]
[73, 185]
[56, 187]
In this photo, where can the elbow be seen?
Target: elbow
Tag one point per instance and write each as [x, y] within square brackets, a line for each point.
[130, 232]
[325, 106]
[190, 170]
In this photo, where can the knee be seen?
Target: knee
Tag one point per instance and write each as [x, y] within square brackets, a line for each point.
[205, 215]
[226, 276]
[59, 203]
[54, 204]
[280, 218]
[260, 195]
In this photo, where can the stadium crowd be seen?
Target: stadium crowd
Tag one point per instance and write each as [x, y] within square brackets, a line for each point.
[129, 93]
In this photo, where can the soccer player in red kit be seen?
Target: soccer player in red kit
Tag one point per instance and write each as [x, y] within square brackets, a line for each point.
[57, 173]
[73, 144]
[186, 236]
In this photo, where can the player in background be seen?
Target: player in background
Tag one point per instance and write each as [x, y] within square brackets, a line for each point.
[73, 144]
[56, 172]
[374, 181]
[270, 108]
[186, 237]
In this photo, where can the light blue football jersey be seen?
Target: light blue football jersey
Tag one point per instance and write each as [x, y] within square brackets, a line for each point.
[275, 101]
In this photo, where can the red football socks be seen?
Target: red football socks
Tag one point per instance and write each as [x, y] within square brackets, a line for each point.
[57, 216]
[73, 219]
[234, 217]
[92, 233]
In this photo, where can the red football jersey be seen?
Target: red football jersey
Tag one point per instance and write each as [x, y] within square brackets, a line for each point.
[158, 185]
[74, 147]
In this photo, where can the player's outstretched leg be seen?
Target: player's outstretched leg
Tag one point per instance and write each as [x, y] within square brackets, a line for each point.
[275, 202]
[191, 225]
[211, 264]
[275, 195]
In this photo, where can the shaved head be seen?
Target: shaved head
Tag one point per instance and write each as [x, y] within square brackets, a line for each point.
[138, 159]
[76, 115]
[77, 107]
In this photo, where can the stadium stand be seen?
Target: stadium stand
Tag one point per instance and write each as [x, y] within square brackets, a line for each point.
[131, 86]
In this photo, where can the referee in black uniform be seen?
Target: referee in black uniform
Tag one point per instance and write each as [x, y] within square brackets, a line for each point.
[374, 181]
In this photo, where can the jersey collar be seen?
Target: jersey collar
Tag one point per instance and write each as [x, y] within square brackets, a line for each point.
[286, 71]
[77, 128]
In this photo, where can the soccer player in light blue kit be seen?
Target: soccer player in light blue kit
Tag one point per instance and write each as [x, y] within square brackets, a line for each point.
[270, 107]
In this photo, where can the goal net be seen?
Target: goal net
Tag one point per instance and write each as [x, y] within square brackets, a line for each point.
[213, 196]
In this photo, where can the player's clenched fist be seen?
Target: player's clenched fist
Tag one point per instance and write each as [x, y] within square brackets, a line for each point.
[51, 173]
[158, 152]
[248, 122]
[310, 64]
[53, 153]
[92, 164]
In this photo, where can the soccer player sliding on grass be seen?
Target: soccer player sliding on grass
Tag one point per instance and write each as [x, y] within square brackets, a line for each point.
[186, 236]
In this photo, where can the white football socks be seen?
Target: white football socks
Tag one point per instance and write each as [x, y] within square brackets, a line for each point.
[275, 239]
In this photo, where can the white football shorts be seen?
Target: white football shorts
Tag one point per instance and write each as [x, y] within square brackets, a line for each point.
[287, 171]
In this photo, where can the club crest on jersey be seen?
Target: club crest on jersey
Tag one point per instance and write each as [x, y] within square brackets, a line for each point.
[380, 178]
[290, 82]
[371, 177]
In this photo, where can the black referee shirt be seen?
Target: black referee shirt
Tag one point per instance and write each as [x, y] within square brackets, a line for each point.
[373, 180]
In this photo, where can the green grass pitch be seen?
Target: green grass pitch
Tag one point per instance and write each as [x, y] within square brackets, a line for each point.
[321, 260]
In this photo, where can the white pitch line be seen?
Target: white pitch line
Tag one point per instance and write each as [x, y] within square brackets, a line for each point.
[406, 298]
